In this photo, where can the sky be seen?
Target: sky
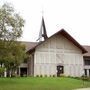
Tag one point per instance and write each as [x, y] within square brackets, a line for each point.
[71, 15]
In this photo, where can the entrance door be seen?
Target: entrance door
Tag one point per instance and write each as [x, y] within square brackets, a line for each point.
[23, 72]
[59, 70]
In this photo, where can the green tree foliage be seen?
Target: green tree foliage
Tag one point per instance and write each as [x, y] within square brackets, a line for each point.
[1, 71]
[11, 23]
[12, 52]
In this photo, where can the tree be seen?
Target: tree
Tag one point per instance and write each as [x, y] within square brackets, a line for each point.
[15, 57]
[12, 52]
[1, 71]
[11, 23]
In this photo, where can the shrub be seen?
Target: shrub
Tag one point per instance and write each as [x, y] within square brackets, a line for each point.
[84, 77]
[53, 75]
[41, 75]
[50, 75]
[37, 75]
[45, 75]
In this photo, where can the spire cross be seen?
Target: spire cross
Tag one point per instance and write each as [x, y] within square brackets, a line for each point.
[42, 12]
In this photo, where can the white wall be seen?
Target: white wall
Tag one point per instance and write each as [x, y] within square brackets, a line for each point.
[58, 51]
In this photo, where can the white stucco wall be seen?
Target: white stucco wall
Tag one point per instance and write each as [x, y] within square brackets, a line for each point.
[58, 51]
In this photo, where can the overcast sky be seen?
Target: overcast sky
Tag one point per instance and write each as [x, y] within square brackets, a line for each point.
[72, 15]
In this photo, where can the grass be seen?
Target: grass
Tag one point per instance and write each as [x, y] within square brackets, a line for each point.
[36, 83]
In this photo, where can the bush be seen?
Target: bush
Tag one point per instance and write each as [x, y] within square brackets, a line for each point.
[50, 75]
[53, 75]
[37, 75]
[85, 78]
[41, 75]
[45, 75]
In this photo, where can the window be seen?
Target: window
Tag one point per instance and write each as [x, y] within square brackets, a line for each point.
[86, 62]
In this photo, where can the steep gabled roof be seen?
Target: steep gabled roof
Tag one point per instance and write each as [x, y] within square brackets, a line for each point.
[66, 35]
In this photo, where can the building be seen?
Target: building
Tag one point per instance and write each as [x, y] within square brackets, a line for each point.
[86, 60]
[56, 55]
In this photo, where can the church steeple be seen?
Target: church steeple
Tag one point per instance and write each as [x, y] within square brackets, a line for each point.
[43, 32]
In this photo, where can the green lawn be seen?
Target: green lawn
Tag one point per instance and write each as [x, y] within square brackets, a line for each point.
[36, 83]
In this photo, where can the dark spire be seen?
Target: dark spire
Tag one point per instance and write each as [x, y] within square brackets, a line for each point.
[42, 33]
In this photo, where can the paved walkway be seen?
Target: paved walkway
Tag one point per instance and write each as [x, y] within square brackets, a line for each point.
[83, 89]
